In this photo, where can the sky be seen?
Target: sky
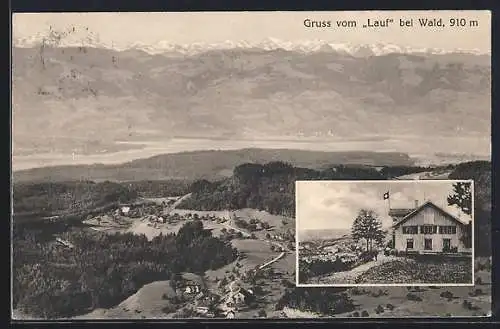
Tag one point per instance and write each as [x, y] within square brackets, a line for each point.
[150, 28]
[335, 204]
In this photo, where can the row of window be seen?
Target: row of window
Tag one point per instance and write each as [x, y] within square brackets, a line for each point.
[428, 244]
[430, 229]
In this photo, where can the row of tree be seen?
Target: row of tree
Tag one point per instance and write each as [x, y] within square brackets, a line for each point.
[270, 186]
[68, 197]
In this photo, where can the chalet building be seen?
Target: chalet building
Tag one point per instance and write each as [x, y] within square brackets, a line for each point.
[237, 296]
[192, 284]
[427, 229]
[125, 210]
[192, 288]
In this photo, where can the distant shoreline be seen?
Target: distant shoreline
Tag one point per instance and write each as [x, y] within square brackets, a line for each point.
[183, 145]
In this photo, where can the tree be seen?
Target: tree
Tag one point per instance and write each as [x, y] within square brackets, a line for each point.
[262, 314]
[461, 197]
[368, 227]
[480, 172]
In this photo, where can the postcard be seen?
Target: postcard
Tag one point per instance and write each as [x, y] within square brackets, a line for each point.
[245, 165]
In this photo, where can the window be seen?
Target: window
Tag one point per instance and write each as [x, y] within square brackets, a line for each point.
[446, 244]
[410, 229]
[447, 229]
[428, 244]
[428, 229]
[409, 243]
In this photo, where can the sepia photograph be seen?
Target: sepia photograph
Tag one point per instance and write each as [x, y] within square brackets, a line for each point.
[401, 233]
[155, 158]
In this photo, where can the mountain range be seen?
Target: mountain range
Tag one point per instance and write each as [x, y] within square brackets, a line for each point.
[80, 99]
[74, 39]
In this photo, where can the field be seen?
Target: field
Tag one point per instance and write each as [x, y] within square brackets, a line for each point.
[421, 271]
[147, 302]
[425, 301]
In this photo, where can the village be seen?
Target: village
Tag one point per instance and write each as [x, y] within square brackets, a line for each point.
[222, 293]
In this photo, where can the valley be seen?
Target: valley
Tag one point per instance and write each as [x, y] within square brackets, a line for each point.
[263, 266]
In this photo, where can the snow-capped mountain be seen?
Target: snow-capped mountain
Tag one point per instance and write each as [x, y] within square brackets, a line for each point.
[89, 39]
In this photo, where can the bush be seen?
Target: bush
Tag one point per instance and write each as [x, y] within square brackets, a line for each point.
[365, 314]
[168, 309]
[479, 281]
[262, 314]
[446, 294]
[468, 305]
[379, 309]
[355, 314]
[477, 292]
[379, 293]
[357, 292]
[413, 297]
[327, 301]
[390, 307]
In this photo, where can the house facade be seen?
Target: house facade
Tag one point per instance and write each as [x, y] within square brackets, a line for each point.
[429, 229]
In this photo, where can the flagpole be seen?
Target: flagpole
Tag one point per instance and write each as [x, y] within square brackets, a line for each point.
[389, 198]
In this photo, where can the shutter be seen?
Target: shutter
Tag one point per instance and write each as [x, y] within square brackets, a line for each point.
[434, 229]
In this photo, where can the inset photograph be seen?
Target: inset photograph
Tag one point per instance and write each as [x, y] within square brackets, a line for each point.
[383, 233]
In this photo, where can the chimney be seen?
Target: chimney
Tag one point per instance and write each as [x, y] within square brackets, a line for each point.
[416, 204]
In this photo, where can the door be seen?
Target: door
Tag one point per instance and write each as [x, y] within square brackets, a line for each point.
[428, 244]
[446, 244]
[409, 244]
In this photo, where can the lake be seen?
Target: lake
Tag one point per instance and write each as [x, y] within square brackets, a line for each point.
[422, 149]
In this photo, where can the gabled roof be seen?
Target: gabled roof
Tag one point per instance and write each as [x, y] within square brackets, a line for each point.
[425, 205]
[400, 212]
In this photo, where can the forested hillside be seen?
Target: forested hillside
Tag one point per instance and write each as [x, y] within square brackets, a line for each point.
[67, 197]
[271, 186]
[51, 282]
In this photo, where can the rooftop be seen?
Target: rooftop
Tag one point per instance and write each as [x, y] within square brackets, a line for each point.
[400, 212]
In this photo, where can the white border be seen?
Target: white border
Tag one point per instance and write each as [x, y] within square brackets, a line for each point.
[416, 181]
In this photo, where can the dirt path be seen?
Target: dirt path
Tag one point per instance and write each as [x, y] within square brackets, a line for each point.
[175, 204]
[245, 233]
[349, 277]
[281, 255]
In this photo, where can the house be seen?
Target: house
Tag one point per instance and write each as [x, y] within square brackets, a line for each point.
[428, 229]
[202, 310]
[124, 210]
[237, 299]
[65, 243]
[192, 284]
[192, 289]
